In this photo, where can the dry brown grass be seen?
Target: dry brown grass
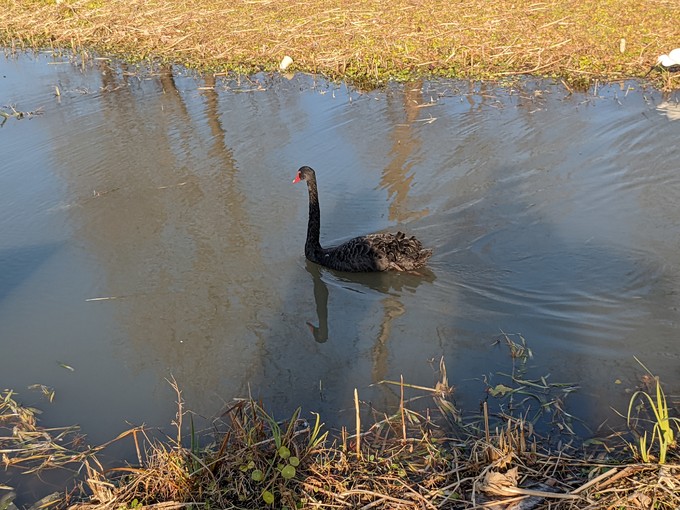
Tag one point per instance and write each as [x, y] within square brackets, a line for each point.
[405, 461]
[365, 40]
[409, 460]
[27, 446]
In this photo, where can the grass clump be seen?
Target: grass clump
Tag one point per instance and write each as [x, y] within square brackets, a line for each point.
[258, 461]
[362, 40]
[661, 422]
[31, 448]
[421, 456]
[408, 460]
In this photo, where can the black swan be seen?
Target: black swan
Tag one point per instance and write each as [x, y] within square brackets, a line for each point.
[373, 252]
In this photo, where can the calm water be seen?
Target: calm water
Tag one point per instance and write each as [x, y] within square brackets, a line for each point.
[551, 215]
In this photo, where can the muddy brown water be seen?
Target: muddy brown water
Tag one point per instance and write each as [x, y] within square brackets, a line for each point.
[150, 230]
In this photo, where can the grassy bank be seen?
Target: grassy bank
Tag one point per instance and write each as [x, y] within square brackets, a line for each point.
[363, 40]
[425, 455]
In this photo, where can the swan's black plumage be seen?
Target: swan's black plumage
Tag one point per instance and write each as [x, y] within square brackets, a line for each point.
[373, 252]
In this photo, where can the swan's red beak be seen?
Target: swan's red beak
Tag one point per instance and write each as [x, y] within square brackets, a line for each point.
[297, 178]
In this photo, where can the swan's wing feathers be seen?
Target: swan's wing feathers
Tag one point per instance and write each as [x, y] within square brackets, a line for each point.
[357, 254]
[377, 252]
[401, 253]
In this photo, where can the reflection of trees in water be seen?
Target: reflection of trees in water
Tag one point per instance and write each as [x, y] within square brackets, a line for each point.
[163, 231]
[174, 233]
[405, 144]
[392, 309]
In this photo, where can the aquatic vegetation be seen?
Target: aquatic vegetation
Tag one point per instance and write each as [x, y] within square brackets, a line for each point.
[416, 457]
[10, 112]
[539, 401]
[662, 423]
[27, 446]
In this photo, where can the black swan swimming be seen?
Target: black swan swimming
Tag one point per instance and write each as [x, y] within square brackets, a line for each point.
[373, 252]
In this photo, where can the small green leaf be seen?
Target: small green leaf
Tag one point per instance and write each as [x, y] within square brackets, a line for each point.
[499, 390]
[284, 452]
[593, 442]
[257, 475]
[294, 461]
[288, 472]
[268, 497]
[247, 467]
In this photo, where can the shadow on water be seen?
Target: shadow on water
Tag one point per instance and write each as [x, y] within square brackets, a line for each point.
[20, 263]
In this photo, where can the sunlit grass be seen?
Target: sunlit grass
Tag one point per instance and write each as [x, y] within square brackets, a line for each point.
[662, 424]
[420, 456]
[361, 40]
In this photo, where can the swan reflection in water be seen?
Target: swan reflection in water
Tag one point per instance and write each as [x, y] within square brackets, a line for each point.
[319, 332]
[391, 285]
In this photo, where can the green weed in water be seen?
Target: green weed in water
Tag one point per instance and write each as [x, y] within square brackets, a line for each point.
[662, 430]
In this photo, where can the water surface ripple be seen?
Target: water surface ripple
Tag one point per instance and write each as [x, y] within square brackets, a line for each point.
[150, 229]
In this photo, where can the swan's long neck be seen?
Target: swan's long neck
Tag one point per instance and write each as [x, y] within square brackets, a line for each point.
[312, 245]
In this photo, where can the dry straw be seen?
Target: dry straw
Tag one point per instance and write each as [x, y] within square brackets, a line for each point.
[414, 459]
[363, 40]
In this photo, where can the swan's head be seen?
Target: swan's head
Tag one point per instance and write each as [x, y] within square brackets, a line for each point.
[303, 174]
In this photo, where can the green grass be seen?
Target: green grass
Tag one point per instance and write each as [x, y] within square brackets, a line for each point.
[661, 422]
